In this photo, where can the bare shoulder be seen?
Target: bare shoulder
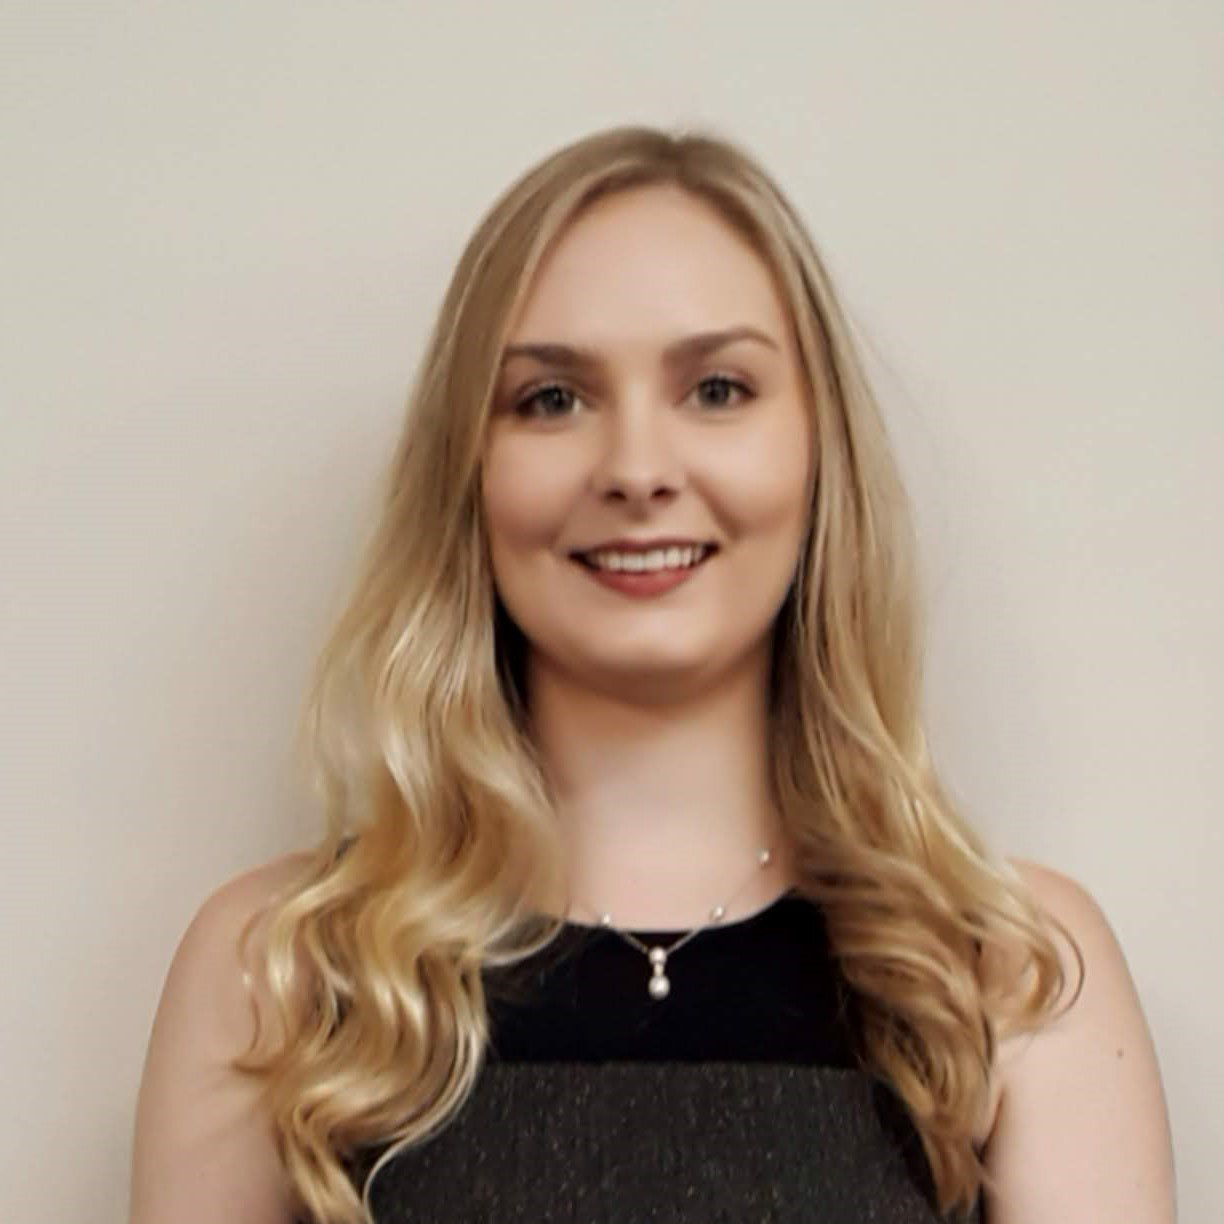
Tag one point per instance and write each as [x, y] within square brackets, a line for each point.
[227, 909]
[194, 1112]
[237, 898]
[1068, 901]
[1063, 896]
[1081, 1129]
[208, 955]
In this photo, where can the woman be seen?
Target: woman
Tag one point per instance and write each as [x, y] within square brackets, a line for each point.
[640, 898]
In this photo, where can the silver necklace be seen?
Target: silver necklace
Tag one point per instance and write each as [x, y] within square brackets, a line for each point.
[659, 985]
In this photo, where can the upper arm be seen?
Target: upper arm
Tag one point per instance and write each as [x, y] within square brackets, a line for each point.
[1082, 1131]
[202, 1150]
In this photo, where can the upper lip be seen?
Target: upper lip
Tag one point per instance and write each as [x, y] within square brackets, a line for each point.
[628, 545]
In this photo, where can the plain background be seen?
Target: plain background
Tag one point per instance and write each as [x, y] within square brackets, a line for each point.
[226, 228]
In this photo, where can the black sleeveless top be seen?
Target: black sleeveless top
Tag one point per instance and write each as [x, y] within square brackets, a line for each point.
[736, 1099]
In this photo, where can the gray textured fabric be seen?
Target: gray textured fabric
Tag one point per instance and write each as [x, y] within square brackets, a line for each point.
[661, 1143]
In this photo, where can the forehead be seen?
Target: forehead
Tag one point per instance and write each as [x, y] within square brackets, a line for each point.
[648, 264]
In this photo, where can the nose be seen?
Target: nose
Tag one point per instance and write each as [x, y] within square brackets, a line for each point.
[638, 461]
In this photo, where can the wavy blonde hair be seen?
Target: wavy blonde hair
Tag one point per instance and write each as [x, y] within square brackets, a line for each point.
[440, 826]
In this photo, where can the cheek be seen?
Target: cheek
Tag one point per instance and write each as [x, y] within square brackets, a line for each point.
[525, 494]
[762, 483]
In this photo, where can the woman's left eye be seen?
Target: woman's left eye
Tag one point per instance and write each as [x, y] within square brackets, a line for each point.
[724, 387]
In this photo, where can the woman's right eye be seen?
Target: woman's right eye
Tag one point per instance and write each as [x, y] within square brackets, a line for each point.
[548, 398]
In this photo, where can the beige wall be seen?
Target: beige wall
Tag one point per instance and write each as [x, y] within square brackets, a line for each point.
[225, 229]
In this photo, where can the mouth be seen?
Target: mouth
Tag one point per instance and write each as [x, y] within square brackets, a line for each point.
[657, 561]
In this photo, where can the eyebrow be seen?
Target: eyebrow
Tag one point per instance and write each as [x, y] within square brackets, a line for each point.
[675, 354]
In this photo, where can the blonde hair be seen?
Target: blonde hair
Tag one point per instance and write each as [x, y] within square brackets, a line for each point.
[415, 730]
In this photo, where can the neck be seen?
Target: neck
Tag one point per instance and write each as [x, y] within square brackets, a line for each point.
[663, 808]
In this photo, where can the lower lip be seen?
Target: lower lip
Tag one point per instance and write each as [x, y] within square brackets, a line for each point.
[640, 585]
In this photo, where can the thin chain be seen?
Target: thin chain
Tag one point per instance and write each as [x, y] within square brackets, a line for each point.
[763, 859]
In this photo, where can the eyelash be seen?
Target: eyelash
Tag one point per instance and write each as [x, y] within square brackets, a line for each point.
[522, 407]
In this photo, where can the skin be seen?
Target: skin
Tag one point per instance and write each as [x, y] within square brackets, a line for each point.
[651, 713]
[651, 720]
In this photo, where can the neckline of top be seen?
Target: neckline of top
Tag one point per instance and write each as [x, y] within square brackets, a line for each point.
[736, 924]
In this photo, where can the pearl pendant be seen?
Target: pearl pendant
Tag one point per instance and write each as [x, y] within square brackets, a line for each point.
[659, 986]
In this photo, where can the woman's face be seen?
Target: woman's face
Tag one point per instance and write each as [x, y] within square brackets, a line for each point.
[650, 391]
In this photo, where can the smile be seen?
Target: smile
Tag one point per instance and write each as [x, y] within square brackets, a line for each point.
[637, 562]
[643, 582]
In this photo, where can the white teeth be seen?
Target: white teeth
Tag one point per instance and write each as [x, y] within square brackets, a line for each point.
[648, 562]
